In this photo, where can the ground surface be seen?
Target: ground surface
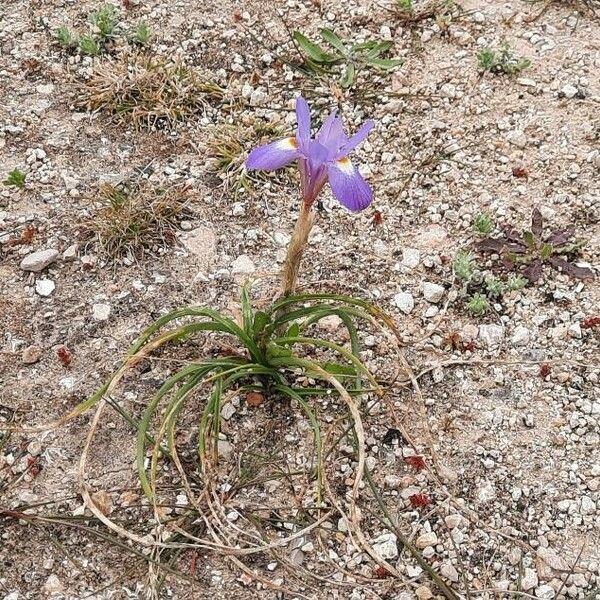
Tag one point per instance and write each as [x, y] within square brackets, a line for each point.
[513, 460]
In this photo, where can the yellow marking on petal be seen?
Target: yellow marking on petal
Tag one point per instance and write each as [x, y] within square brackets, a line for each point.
[288, 144]
[345, 165]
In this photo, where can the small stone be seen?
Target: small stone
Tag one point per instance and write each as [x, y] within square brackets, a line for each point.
[449, 572]
[45, 287]
[569, 91]
[38, 261]
[587, 506]
[296, 557]
[52, 586]
[70, 253]
[386, 546]
[529, 580]
[545, 592]
[103, 501]
[575, 331]
[426, 539]
[423, 593]
[453, 521]
[228, 411]
[258, 97]
[411, 258]
[404, 301]
[225, 449]
[491, 335]
[552, 559]
[31, 355]
[524, 81]
[433, 292]
[101, 312]
[243, 265]
[448, 90]
[331, 323]
[201, 242]
[520, 336]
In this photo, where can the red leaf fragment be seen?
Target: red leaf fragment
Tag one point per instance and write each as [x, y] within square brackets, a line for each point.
[377, 218]
[419, 500]
[520, 172]
[545, 370]
[416, 462]
[590, 322]
[381, 572]
[64, 355]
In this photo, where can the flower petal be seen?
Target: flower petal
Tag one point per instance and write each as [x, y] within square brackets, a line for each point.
[348, 185]
[356, 139]
[303, 118]
[273, 156]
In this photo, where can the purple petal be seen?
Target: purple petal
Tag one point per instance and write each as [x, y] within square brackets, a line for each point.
[303, 118]
[331, 133]
[348, 186]
[356, 139]
[273, 156]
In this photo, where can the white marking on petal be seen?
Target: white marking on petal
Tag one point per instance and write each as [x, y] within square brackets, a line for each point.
[345, 166]
[288, 144]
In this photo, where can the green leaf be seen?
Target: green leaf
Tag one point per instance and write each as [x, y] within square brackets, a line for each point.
[339, 369]
[333, 39]
[261, 320]
[546, 251]
[379, 48]
[349, 76]
[385, 63]
[247, 317]
[276, 351]
[364, 46]
[529, 239]
[293, 331]
[312, 50]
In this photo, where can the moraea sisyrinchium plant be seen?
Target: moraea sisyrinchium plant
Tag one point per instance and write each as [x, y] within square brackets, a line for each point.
[320, 159]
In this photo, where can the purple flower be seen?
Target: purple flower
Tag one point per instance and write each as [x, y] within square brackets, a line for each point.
[321, 159]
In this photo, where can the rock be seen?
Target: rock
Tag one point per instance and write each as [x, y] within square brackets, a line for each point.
[44, 287]
[469, 333]
[52, 586]
[228, 411]
[38, 261]
[101, 312]
[243, 265]
[433, 292]
[552, 559]
[258, 97]
[453, 521]
[386, 545]
[404, 301]
[569, 91]
[448, 90]
[518, 139]
[485, 492]
[331, 323]
[449, 572]
[491, 335]
[296, 557]
[521, 336]
[411, 258]
[426, 539]
[575, 330]
[545, 592]
[587, 506]
[201, 242]
[529, 580]
[224, 448]
[71, 252]
[423, 593]
[31, 355]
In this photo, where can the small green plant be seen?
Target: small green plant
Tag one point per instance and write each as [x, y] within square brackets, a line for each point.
[349, 56]
[406, 5]
[105, 20]
[15, 178]
[89, 45]
[463, 265]
[66, 38]
[142, 34]
[516, 282]
[478, 305]
[494, 286]
[501, 60]
[530, 250]
[483, 224]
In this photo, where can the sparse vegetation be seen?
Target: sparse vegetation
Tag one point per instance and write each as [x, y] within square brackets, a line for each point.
[530, 250]
[463, 265]
[494, 287]
[66, 38]
[350, 57]
[89, 45]
[228, 148]
[15, 178]
[478, 305]
[501, 60]
[105, 20]
[142, 34]
[483, 224]
[148, 91]
[134, 217]
[516, 282]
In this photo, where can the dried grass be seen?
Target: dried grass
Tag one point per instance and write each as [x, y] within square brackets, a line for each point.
[149, 91]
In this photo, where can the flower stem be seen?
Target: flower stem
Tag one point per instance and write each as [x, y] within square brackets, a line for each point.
[304, 224]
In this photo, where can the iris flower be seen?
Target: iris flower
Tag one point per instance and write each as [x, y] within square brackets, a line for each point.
[322, 159]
